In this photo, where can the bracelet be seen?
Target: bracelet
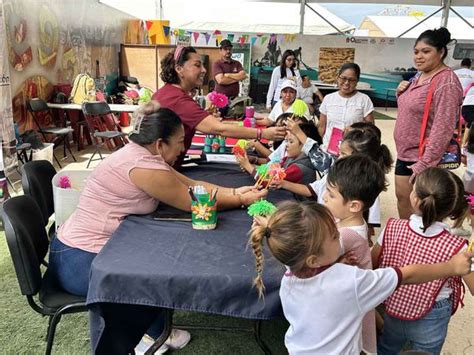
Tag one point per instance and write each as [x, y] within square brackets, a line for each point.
[259, 134]
[242, 205]
[233, 191]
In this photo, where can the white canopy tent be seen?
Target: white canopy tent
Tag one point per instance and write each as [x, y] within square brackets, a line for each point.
[390, 26]
[446, 6]
[235, 16]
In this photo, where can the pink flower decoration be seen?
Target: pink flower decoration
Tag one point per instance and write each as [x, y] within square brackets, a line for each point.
[276, 171]
[470, 200]
[218, 100]
[132, 94]
[64, 182]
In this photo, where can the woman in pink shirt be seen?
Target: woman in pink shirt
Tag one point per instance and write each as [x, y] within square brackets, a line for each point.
[429, 52]
[132, 180]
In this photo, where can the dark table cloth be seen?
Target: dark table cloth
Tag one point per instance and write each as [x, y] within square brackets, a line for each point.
[168, 264]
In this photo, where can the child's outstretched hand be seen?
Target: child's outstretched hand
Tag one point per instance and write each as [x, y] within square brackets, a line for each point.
[295, 128]
[244, 162]
[461, 263]
[277, 184]
[349, 258]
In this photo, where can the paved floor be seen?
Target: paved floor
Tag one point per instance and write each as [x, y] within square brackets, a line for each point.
[460, 338]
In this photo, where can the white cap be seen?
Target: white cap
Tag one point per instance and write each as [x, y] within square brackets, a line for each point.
[288, 83]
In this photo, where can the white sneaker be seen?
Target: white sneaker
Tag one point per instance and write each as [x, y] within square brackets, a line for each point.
[178, 339]
[145, 344]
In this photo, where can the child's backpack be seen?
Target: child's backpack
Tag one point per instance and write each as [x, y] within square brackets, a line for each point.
[83, 89]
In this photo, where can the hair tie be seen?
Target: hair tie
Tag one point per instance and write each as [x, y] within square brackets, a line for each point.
[177, 53]
[136, 123]
[267, 232]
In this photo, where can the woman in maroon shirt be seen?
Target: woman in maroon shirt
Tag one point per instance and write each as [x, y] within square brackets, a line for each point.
[428, 54]
[182, 71]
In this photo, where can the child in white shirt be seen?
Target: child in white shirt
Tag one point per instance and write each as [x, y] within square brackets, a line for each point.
[347, 202]
[324, 301]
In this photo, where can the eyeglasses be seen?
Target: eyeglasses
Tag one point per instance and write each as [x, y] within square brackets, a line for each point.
[343, 79]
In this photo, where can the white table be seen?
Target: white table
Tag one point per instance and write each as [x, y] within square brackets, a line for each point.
[75, 114]
[113, 107]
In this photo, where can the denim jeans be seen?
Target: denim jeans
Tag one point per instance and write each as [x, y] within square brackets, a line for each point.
[72, 266]
[425, 334]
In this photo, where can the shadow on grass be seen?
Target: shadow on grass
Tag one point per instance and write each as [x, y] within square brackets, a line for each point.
[23, 331]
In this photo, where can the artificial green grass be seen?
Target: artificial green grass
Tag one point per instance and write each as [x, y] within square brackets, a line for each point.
[23, 331]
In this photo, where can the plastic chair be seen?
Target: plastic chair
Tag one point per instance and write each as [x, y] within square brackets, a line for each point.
[36, 179]
[39, 111]
[28, 245]
[102, 125]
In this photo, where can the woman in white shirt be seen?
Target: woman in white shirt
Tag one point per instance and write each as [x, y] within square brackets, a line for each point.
[286, 70]
[346, 106]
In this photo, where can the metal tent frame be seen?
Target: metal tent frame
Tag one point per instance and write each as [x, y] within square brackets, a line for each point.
[446, 7]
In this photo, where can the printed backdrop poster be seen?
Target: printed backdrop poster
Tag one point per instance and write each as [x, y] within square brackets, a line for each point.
[7, 132]
[331, 59]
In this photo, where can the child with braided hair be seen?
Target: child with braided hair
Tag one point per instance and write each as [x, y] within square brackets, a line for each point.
[325, 301]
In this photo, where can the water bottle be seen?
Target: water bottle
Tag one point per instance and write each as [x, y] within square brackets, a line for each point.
[222, 145]
[207, 144]
[252, 122]
[249, 111]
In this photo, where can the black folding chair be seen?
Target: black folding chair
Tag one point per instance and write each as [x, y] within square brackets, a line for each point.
[28, 245]
[103, 127]
[36, 179]
[40, 112]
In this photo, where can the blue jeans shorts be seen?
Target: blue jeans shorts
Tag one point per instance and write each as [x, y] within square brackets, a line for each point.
[425, 334]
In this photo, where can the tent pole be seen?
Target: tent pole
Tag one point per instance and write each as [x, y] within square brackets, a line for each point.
[330, 24]
[462, 18]
[445, 15]
[302, 9]
[426, 18]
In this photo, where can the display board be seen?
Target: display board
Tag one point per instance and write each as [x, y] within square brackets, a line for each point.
[331, 60]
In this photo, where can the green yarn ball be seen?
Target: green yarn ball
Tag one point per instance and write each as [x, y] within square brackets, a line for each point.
[299, 107]
[262, 169]
[261, 208]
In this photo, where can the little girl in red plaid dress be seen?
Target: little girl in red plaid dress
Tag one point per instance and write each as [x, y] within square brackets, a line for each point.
[419, 314]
